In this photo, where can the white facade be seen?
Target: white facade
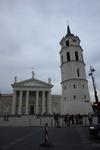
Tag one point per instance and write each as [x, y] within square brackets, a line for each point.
[75, 93]
[31, 97]
[6, 101]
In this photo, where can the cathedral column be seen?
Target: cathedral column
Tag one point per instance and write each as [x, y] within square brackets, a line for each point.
[13, 103]
[27, 103]
[20, 104]
[62, 106]
[43, 102]
[49, 103]
[37, 102]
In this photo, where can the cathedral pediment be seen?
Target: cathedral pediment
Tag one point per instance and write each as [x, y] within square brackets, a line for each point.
[32, 83]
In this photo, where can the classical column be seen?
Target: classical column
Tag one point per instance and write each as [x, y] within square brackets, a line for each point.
[49, 103]
[62, 106]
[27, 103]
[43, 102]
[37, 102]
[13, 103]
[20, 103]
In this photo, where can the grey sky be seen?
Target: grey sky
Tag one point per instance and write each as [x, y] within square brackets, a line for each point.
[30, 32]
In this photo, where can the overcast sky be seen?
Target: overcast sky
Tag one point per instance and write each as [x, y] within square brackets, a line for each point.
[30, 32]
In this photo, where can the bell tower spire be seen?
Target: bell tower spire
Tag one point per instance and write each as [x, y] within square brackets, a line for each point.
[68, 30]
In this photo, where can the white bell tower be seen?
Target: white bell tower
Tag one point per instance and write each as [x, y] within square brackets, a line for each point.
[75, 93]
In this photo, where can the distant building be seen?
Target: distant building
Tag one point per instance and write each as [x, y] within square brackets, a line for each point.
[75, 93]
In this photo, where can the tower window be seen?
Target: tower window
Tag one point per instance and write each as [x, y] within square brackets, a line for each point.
[84, 97]
[62, 59]
[67, 43]
[76, 56]
[65, 98]
[68, 56]
[74, 97]
[82, 57]
[65, 87]
[78, 72]
[83, 86]
[74, 86]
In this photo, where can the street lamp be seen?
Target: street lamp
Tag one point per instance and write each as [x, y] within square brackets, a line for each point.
[95, 92]
[93, 81]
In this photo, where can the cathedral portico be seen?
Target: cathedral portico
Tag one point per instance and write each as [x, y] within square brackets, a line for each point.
[31, 97]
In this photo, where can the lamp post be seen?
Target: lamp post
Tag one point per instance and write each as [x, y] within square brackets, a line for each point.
[95, 92]
[93, 81]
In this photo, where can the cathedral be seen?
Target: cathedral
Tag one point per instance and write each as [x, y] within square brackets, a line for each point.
[33, 96]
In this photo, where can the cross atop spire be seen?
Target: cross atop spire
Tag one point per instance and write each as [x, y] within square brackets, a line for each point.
[68, 30]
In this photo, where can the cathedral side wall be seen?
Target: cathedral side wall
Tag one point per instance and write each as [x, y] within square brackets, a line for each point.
[5, 104]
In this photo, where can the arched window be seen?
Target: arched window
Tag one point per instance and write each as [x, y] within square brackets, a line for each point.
[67, 43]
[84, 97]
[68, 56]
[61, 59]
[65, 98]
[76, 56]
[74, 97]
[78, 72]
[74, 40]
[74, 86]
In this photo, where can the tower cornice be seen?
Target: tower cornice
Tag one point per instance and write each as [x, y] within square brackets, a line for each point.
[73, 61]
[74, 79]
[63, 48]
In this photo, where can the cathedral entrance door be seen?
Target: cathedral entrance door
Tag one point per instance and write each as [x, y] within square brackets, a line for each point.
[31, 109]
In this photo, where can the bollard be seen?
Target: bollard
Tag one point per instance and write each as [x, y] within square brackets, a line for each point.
[46, 134]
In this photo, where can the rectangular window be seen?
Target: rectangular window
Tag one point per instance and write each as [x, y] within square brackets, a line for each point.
[74, 40]
[68, 56]
[78, 73]
[74, 97]
[67, 43]
[74, 86]
[84, 97]
[65, 98]
[76, 56]
[82, 57]
[61, 59]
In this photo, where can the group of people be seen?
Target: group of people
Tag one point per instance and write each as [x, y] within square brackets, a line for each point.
[6, 117]
[71, 119]
[57, 121]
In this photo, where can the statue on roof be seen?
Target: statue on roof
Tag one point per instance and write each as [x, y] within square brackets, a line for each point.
[15, 79]
[49, 80]
[33, 74]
